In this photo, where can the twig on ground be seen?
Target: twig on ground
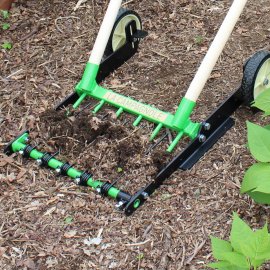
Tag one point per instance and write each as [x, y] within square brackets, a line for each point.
[138, 244]
[79, 3]
[63, 18]
[35, 30]
[196, 251]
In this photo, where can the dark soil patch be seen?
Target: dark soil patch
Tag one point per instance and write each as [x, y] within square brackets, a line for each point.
[109, 148]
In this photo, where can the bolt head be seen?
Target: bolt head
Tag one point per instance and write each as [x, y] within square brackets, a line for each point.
[77, 181]
[206, 126]
[145, 195]
[39, 162]
[58, 170]
[26, 139]
[119, 205]
[21, 152]
[266, 82]
[202, 138]
[98, 190]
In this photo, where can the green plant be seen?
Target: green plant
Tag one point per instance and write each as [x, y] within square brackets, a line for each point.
[5, 26]
[256, 182]
[6, 45]
[5, 14]
[247, 249]
[199, 40]
[68, 220]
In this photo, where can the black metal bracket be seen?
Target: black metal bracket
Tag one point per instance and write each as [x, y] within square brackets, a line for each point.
[219, 121]
[114, 61]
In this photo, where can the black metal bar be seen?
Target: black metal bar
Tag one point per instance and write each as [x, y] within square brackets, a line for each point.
[120, 56]
[220, 121]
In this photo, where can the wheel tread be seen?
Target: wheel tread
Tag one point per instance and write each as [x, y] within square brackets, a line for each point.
[251, 69]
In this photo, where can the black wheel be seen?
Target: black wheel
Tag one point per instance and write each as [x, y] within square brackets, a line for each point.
[256, 77]
[118, 36]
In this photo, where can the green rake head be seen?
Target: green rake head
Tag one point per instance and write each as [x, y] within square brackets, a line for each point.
[180, 122]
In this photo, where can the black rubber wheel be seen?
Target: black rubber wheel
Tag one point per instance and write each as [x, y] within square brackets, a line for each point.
[254, 82]
[124, 17]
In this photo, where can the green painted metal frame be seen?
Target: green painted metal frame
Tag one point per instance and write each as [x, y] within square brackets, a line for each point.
[180, 122]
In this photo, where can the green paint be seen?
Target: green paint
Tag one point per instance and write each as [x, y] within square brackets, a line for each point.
[137, 121]
[118, 113]
[175, 141]
[180, 122]
[137, 203]
[99, 106]
[156, 131]
[19, 145]
[183, 113]
[87, 83]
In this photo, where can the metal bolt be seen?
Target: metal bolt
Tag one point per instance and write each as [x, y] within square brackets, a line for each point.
[266, 82]
[206, 126]
[119, 205]
[98, 190]
[21, 152]
[77, 181]
[58, 170]
[39, 162]
[26, 139]
[145, 195]
[202, 138]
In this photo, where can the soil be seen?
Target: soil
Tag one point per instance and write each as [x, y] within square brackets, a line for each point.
[47, 222]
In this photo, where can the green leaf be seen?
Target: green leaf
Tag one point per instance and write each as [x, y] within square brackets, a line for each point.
[265, 256]
[259, 142]
[119, 170]
[262, 102]
[199, 40]
[264, 187]
[222, 265]
[259, 197]
[5, 14]
[68, 220]
[6, 46]
[219, 247]
[260, 244]
[140, 256]
[237, 259]
[255, 176]
[241, 235]
[5, 26]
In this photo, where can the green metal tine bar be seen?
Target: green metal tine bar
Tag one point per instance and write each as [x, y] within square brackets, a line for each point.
[19, 145]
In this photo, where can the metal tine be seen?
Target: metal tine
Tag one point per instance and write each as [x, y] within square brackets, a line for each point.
[157, 143]
[105, 116]
[84, 108]
[126, 121]
[117, 179]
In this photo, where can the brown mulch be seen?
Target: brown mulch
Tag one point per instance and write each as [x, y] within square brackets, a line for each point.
[47, 222]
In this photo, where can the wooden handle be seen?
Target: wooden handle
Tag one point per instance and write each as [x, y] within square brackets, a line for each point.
[105, 32]
[215, 50]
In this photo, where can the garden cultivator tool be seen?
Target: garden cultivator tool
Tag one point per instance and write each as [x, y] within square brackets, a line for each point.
[117, 41]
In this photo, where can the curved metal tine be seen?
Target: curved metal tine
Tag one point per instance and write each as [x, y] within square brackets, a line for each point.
[105, 116]
[85, 107]
[117, 179]
[126, 121]
[157, 143]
